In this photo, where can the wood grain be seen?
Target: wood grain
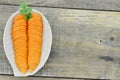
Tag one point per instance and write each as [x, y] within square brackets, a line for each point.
[79, 4]
[86, 44]
[32, 78]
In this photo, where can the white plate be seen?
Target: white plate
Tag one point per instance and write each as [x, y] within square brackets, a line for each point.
[8, 44]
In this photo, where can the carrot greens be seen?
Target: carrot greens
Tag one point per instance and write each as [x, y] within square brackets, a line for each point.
[25, 10]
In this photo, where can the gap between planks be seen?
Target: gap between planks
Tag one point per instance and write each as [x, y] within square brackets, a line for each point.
[53, 77]
[66, 8]
[85, 4]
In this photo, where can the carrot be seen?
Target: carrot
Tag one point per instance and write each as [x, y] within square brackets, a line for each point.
[34, 40]
[27, 39]
[20, 42]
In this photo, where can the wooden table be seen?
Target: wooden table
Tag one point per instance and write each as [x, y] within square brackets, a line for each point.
[86, 39]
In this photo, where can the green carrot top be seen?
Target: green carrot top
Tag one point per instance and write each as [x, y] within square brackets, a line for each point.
[25, 10]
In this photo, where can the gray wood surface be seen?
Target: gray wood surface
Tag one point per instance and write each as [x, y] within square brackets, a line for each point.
[86, 44]
[32, 78]
[82, 4]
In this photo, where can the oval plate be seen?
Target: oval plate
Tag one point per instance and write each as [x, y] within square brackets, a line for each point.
[8, 44]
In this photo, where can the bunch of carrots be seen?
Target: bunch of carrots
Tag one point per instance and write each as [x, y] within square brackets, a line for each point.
[27, 39]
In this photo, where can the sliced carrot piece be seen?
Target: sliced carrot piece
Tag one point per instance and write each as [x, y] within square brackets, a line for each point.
[35, 28]
[20, 42]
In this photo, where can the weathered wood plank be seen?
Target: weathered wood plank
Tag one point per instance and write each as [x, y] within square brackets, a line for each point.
[86, 44]
[85, 4]
[32, 78]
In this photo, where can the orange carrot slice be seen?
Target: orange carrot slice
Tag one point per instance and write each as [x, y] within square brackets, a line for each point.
[35, 28]
[20, 42]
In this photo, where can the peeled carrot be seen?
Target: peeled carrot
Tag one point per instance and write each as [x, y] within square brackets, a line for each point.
[19, 38]
[27, 39]
[35, 29]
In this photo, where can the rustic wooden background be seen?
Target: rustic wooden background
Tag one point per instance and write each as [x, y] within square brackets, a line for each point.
[86, 39]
